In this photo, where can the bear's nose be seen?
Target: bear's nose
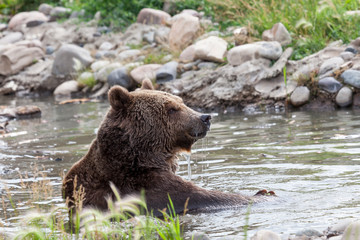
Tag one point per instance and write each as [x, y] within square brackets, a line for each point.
[206, 119]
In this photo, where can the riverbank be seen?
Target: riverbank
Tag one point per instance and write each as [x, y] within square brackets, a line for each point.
[212, 70]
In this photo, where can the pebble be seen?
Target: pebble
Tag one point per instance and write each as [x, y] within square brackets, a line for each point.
[344, 97]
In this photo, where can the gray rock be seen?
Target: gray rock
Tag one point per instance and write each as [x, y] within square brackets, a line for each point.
[275, 87]
[77, 14]
[45, 8]
[277, 33]
[189, 66]
[167, 72]
[265, 235]
[330, 84]
[96, 66]
[240, 54]
[351, 77]
[49, 50]
[103, 73]
[211, 49]
[34, 23]
[300, 96]
[149, 37]
[162, 35]
[59, 12]
[352, 231]
[207, 65]
[344, 97]
[106, 46]
[351, 49]
[330, 64]
[309, 233]
[11, 38]
[69, 59]
[3, 26]
[200, 236]
[102, 92]
[67, 88]
[120, 77]
[347, 56]
[128, 55]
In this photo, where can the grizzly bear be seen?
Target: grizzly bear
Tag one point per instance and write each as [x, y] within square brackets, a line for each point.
[136, 149]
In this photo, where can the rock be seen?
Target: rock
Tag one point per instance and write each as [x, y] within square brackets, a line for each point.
[134, 34]
[347, 56]
[167, 58]
[330, 84]
[106, 46]
[275, 88]
[102, 92]
[278, 67]
[34, 23]
[3, 26]
[211, 49]
[105, 54]
[77, 14]
[207, 65]
[200, 236]
[183, 32]
[103, 73]
[120, 77]
[49, 50]
[21, 112]
[85, 78]
[152, 16]
[351, 77]
[145, 71]
[330, 64]
[309, 233]
[16, 57]
[191, 12]
[129, 55]
[54, 35]
[167, 72]
[351, 49]
[96, 66]
[241, 36]
[24, 17]
[352, 231]
[45, 8]
[11, 38]
[162, 35]
[188, 54]
[340, 227]
[149, 37]
[266, 235]
[277, 33]
[69, 59]
[240, 54]
[59, 12]
[344, 97]
[66, 88]
[300, 96]
[9, 88]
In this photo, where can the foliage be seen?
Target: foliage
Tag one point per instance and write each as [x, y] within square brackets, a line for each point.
[312, 24]
[115, 13]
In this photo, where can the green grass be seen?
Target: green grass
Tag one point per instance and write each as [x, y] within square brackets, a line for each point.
[312, 24]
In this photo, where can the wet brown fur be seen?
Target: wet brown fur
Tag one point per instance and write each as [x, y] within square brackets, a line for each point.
[136, 149]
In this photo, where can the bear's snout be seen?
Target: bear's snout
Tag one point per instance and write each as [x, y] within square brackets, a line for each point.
[206, 119]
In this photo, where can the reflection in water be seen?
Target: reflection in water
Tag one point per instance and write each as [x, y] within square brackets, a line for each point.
[311, 160]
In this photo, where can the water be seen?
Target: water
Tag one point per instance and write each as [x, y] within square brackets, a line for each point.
[310, 159]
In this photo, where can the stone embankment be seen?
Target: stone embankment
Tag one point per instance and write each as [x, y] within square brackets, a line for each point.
[210, 69]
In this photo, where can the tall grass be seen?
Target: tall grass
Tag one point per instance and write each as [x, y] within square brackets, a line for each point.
[125, 219]
[312, 23]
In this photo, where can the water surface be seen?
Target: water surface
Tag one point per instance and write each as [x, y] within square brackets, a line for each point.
[310, 159]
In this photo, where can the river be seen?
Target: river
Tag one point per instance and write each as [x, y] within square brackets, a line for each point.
[310, 159]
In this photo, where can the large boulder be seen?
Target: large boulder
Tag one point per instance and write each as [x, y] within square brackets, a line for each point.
[240, 54]
[15, 57]
[24, 17]
[211, 49]
[183, 31]
[69, 59]
[152, 16]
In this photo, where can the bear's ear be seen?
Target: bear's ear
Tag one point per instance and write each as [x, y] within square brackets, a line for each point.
[147, 84]
[119, 98]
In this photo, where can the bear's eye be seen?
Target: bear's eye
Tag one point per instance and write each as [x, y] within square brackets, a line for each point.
[172, 110]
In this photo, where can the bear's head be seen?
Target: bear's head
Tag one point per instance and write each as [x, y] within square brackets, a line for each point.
[155, 121]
